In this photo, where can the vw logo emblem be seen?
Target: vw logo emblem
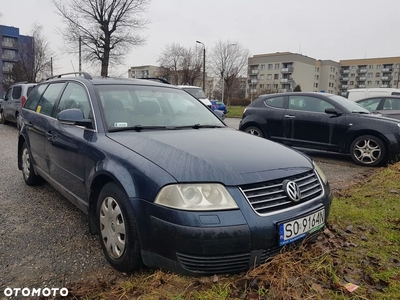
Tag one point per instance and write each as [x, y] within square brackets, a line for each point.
[292, 190]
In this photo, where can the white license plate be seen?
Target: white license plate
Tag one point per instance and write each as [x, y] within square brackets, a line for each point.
[299, 228]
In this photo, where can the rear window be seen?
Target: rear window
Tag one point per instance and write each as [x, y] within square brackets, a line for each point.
[17, 91]
[29, 90]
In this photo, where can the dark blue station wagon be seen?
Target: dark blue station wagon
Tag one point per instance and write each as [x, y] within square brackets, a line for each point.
[160, 184]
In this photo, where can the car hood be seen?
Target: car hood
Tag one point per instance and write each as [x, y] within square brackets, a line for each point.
[215, 155]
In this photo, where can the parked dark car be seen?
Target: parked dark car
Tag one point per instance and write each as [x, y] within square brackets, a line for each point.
[172, 189]
[325, 122]
[388, 106]
[218, 105]
[15, 97]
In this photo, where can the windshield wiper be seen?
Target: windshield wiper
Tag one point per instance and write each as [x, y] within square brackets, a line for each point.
[197, 126]
[137, 128]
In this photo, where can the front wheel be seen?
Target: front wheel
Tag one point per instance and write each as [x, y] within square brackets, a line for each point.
[28, 173]
[254, 131]
[118, 234]
[367, 150]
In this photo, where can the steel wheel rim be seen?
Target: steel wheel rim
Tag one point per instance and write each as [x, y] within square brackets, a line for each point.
[253, 131]
[26, 163]
[112, 227]
[367, 151]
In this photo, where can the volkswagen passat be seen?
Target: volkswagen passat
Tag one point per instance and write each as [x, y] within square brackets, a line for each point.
[160, 184]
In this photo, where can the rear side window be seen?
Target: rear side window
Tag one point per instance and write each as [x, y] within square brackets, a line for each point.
[16, 93]
[49, 97]
[34, 97]
[29, 90]
[274, 102]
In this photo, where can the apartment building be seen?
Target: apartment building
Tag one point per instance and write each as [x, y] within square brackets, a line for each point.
[12, 44]
[144, 71]
[369, 73]
[283, 71]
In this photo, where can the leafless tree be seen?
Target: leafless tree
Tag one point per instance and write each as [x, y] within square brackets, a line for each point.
[180, 65]
[34, 57]
[106, 28]
[228, 60]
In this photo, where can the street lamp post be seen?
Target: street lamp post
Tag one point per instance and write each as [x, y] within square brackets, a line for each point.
[204, 66]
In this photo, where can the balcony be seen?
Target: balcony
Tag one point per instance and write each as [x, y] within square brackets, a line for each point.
[9, 57]
[386, 78]
[343, 86]
[362, 78]
[283, 90]
[253, 91]
[9, 45]
[361, 86]
[7, 70]
[286, 80]
[385, 86]
[254, 71]
[343, 94]
[362, 70]
[387, 69]
[287, 70]
[343, 78]
[253, 81]
[345, 71]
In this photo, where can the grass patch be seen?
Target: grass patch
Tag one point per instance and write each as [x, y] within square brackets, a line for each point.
[360, 246]
[235, 111]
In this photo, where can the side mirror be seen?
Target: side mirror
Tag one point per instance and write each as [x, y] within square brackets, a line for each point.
[332, 111]
[74, 116]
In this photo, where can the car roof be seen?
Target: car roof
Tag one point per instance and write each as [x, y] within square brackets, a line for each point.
[299, 93]
[379, 96]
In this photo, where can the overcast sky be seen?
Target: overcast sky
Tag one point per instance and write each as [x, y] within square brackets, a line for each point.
[321, 29]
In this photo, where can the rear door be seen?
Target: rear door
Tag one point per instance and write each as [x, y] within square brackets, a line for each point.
[12, 102]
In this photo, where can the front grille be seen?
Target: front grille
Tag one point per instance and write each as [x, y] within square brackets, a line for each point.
[269, 196]
[214, 264]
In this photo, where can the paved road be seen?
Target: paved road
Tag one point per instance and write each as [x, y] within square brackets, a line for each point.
[44, 240]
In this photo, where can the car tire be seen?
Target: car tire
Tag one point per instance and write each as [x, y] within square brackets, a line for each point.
[2, 118]
[18, 121]
[368, 150]
[28, 173]
[253, 130]
[118, 233]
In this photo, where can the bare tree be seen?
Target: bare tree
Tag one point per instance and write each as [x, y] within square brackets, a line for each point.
[229, 60]
[106, 28]
[34, 57]
[180, 65]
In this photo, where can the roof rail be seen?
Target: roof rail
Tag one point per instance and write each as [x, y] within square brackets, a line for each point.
[85, 75]
[162, 80]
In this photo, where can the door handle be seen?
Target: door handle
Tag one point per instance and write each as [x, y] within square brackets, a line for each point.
[290, 117]
[49, 136]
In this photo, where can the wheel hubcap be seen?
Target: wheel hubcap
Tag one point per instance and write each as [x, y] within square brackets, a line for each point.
[253, 132]
[26, 163]
[367, 151]
[112, 227]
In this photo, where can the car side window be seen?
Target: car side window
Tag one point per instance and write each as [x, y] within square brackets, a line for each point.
[50, 96]
[307, 103]
[74, 96]
[17, 91]
[370, 104]
[7, 96]
[274, 102]
[34, 97]
[395, 103]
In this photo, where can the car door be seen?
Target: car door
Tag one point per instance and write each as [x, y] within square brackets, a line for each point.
[38, 122]
[310, 126]
[391, 107]
[372, 104]
[11, 102]
[271, 110]
[67, 143]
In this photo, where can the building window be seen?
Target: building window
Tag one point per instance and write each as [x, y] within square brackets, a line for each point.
[276, 66]
[269, 66]
[275, 86]
[269, 76]
[351, 82]
[377, 82]
[268, 86]
[370, 67]
[261, 86]
[352, 75]
[276, 76]
[378, 67]
[261, 76]
[353, 67]
[378, 74]
[369, 75]
[369, 82]
[262, 67]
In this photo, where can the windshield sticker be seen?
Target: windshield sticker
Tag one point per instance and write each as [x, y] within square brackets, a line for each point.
[38, 108]
[120, 124]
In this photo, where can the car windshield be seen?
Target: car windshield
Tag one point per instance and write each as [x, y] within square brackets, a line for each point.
[152, 107]
[351, 106]
[195, 92]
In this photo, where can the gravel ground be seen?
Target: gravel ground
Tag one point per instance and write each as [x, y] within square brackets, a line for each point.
[44, 240]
